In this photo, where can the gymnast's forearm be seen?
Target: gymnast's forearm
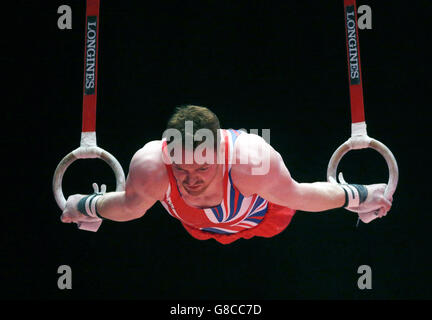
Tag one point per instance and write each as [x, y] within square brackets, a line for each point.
[311, 197]
[319, 196]
[117, 207]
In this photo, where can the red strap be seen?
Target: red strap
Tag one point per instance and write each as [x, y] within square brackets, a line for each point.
[353, 57]
[90, 66]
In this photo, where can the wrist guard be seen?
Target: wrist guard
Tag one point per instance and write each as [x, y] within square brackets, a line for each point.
[87, 206]
[355, 195]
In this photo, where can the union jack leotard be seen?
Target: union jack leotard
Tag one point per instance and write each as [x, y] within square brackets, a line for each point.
[234, 214]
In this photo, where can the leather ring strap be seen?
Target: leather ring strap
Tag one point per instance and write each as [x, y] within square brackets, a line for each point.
[88, 147]
[359, 138]
[90, 66]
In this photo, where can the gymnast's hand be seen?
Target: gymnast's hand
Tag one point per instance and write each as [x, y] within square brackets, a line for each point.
[71, 213]
[368, 201]
[376, 204]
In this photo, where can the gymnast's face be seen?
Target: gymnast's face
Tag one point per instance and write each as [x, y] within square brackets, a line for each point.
[195, 177]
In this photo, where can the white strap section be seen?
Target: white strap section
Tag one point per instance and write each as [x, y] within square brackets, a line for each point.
[353, 196]
[88, 148]
[359, 138]
[90, 206]
[358, 129]
[88, 139]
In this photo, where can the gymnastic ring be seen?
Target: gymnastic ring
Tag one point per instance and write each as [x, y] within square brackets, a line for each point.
[376, 145]
[85, 153]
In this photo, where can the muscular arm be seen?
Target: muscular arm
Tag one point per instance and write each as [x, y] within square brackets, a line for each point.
[146, 183]
[277, 185]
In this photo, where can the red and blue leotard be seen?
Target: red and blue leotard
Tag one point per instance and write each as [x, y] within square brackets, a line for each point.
[236, 216]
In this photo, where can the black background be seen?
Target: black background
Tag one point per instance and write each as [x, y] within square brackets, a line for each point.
[256, 64]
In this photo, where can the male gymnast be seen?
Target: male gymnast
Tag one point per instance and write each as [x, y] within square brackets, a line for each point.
[217, 195]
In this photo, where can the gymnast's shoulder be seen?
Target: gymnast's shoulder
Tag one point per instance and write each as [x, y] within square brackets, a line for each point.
[252, 151]
[256, 164]
[147, 167]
